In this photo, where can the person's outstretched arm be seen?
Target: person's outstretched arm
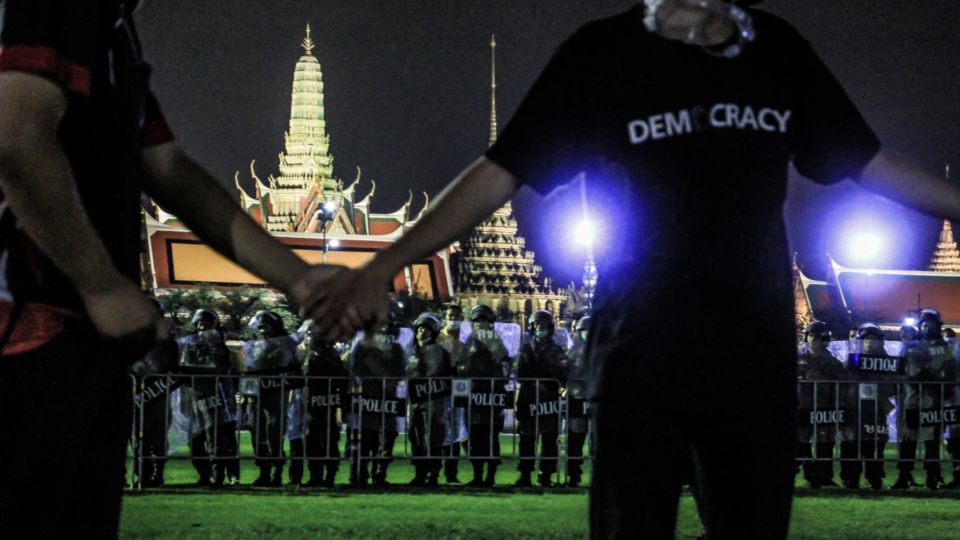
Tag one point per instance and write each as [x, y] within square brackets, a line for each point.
[39, 186]
[905, 182]
[350, 300]
[184, 188]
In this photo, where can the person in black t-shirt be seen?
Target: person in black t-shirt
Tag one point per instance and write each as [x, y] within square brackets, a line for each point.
[81, 137]
[680, 117]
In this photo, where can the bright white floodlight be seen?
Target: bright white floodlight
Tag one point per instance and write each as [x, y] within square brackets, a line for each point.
[330, 207]
[585, 233]
[865, 247]
[334, 242]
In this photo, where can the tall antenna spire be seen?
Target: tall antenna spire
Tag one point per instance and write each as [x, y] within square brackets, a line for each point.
[307, 42]
[493, 89]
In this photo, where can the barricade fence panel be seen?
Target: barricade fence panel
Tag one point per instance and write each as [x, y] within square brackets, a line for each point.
[321, 422]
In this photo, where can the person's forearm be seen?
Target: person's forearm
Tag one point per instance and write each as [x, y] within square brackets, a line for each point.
[903, 181]
[39, 187]
[184, 188]
[473, 196]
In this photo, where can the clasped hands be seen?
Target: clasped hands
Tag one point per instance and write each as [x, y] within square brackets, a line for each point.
[341, 301]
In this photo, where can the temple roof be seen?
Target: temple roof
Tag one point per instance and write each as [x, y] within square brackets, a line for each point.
[888, 296]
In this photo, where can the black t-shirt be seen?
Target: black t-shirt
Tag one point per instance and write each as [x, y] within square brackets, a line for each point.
[685, 153]
[90, 50]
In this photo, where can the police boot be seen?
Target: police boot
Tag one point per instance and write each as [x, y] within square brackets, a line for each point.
[933, 482]
[419, 477]
[331, 479]
[264, 479]
[276, 480]
[904, 481]
[573, 481]
[296, 472]
[477, 476]
[491, 475]
[380, 476]
[544, 479]
[524, 480]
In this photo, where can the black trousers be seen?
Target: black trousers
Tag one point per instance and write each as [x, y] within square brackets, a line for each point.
[862, 457]
[322, 446]
[268, 429]
[214, 455]
[549, 452]
[67, 417]
[150, 441]
[426, 439]
[819, 471]
[483, 446]
[370, 446]
[931, 454]
[575, 441]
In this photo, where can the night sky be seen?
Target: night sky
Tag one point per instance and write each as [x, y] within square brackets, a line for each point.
[407, 96]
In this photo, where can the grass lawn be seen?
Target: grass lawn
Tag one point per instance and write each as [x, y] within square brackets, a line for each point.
[180, 511]
[493, 514]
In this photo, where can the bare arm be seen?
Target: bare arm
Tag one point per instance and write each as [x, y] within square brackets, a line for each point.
[350, 300]
[184, 188]
[39, 186]
[903, 181]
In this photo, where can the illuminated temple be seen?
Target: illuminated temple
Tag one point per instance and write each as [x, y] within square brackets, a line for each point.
[308, 208]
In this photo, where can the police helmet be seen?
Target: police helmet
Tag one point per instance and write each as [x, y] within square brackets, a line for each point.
[156, 303]
[583, 325]
[817, 328]
[542, 316]
[908, 332]
[269, 319]
[869, 331]
[934, 322]
[949, 333]
[208, 316]
[429, 321]
[481, 311]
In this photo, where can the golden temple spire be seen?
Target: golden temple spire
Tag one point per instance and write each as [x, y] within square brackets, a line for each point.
[307, 42]
[493, 89]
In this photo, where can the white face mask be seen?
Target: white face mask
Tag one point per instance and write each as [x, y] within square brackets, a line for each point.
[454, 325]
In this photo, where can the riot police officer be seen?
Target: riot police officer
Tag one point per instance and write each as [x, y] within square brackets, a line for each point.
[325, 394]
[457, 429]
[577, 413]
[377, 365]
[486, 363]
[209, 397]
[541, 371]
[429, 370]
[931, 374]
[818, 372]
[869, 401]
[271, 358]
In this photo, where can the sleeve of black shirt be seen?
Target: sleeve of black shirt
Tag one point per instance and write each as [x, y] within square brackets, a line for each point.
[830, 140]
[50, 38]
[542, 143]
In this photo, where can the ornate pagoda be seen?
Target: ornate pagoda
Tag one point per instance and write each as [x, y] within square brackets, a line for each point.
[947, 257]
[494, 266]
[304, 206]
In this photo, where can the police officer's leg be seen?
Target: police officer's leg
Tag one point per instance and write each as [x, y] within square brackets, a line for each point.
[850, 465]
[418, 447]
[478, 451]
[297, 451]
[824, 463]
[549, 453]
[527, 451]
[331, 453]
[931, 462]
[872, 454]
[575, 442]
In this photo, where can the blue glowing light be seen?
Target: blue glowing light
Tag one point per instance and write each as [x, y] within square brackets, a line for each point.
[585, 232]
[865, 247]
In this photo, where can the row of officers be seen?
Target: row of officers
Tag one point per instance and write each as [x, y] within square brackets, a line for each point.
[906, 387]
[298, 389]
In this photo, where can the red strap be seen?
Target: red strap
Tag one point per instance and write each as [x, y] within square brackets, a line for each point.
[47, 62]
[35, 326]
